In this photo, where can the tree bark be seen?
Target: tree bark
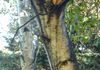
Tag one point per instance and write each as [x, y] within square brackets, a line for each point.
[54, 33]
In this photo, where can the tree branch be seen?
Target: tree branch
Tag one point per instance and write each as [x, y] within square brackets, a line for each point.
[24, 25]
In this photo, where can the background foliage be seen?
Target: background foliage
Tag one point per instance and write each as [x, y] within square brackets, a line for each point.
[82, 18]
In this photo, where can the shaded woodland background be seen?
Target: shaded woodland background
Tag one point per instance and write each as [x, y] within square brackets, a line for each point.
[82, 18]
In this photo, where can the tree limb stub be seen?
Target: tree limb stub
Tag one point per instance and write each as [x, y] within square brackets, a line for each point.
[56, 2]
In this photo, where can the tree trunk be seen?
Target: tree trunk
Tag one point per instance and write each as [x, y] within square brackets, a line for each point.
[27, 51]
[27, 45]
[54, 33]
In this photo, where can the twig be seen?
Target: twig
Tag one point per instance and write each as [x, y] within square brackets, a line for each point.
[24, 25]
